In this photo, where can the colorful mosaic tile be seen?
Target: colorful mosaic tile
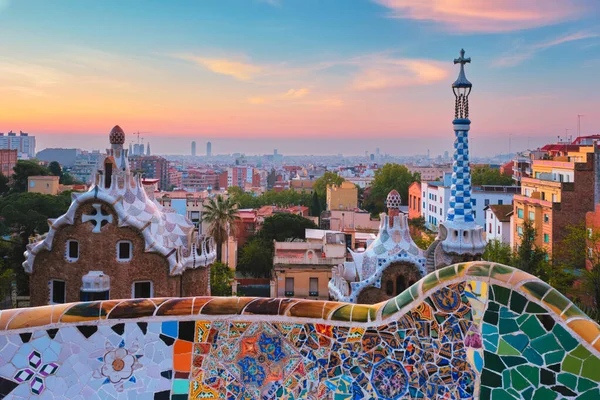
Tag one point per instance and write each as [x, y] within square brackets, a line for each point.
[471, 336]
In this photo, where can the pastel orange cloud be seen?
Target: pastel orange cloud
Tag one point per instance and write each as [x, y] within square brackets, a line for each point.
[297, 93]
[237, 69]
[486, 15]
[394, 73]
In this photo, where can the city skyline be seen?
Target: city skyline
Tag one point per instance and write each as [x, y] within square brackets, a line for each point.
[297, 73]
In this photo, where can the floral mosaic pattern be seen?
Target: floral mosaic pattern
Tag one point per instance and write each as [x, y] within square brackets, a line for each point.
[469, 331]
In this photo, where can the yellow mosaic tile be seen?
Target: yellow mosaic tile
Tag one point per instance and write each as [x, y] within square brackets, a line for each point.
[306, 309]
[182, 306]
[38, 316]
[588, 330]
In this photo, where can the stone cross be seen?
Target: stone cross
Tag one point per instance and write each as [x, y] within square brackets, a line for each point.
[462, 60]
[98, 218]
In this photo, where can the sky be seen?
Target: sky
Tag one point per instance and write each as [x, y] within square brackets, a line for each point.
[303, 76]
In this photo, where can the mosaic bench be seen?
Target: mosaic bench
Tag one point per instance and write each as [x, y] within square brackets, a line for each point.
[474, 330]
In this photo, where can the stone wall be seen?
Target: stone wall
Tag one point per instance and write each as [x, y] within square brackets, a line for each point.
[475, 330]
[98, 252]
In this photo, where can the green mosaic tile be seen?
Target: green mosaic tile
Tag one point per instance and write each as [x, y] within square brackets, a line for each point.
[566, 340]
[544, 394]
[533, 308]
[556, 299]
[490, 379]
[499, 269]
[414, 290]
[593, 394]
[517, 302]
[493, 361]
[505, 379]
[532, 327]
[500, 394]
[514, 393]
[429, 282]
[342, 314]
[591, 369]
[573, 311]
[506, 313]
[522, 318]
[537, 289]
[460, 268]
[518, 341]
[446, 273]
[508, 326]
[491, 317]
[485, 393]
[528, 394]
[513, 361]
[545, 344]
[505, 349]
[481, 269]
[390, 308]
[554, 357]
[584, 384]
[581, 352]
[533, 356]
[569, 380]
[532, 374]
[572, 364]
[404, 299]
[501, 294]
[518, 381]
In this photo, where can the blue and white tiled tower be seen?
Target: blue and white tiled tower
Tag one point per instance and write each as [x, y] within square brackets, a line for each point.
[459, 233]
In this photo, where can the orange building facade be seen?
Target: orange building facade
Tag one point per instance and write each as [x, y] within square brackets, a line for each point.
[414, 200]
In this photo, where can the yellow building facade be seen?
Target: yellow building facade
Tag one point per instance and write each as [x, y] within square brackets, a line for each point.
[342, 197]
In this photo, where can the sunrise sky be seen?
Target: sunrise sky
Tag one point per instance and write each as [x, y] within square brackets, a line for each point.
[289, 73]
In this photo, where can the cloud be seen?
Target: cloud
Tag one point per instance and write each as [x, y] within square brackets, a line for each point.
[296, 93]
[393, 73]
[487, 15]
[522, 53]
[239, 70]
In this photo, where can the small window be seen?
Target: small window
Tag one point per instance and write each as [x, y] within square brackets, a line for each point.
[500, 202]
[546, 218]
[486, 202]
[93, 296]
[590, 233]
[474, 202]
[124, 249]
[546, 238]
[142, 290]
[72, 250]
[58, 291]
[498, 229]
[520, 213]
[289, 286]
[520, 230]
[531, 215]
[389, 288]
[313, 289]
[490, 227]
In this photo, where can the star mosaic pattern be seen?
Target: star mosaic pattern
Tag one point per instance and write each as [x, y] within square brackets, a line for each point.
[472, 330]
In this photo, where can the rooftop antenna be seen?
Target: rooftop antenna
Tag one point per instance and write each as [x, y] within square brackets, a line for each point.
[579, 124]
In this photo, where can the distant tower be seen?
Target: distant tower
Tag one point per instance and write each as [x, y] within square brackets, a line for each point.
[193, 149]
[148, 149]
[459, 233]
[130, 149]
[208, 149]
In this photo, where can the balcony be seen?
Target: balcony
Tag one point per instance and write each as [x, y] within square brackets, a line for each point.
[277, 260]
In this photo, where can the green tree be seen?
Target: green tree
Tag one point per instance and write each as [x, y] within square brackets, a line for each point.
[256, 258]
[489, 176]
[315, 205]
[23, 170]
[530, 258]
[320, 185]
[285, 226]
[497, 251]
[387, 178]
[221, 277]
[23, 215]
[222, 216]
[55, 169]
[4, 187]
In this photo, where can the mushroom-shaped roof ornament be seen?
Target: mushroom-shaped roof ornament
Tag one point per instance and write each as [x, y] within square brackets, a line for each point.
[393, 200]
[117, 136]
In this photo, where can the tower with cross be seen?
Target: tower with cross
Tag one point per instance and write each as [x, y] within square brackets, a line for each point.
[460, 234]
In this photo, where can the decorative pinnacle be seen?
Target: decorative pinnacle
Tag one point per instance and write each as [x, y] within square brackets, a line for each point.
[462, 81]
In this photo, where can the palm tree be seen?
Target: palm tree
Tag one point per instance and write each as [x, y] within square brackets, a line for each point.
[222, 216]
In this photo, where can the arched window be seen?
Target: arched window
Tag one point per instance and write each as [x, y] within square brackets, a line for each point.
[389, 288]
[400, 284]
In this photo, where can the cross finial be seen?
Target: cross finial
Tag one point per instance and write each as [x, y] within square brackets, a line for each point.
[462, 60]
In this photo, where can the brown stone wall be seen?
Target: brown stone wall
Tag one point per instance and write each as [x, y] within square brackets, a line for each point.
[195, 282]
[98, 252]
[399, 276]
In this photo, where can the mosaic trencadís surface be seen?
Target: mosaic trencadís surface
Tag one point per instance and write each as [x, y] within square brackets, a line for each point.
[474, 330]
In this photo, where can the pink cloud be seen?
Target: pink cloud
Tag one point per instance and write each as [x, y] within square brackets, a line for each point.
[393, 73]
[486, 15]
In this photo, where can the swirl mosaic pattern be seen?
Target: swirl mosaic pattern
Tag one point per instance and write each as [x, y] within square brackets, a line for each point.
[474, 330]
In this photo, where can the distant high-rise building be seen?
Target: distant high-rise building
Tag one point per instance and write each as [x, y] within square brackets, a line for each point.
[148, 149]
[24, 144]
[193, 149]
[377, 152]
[208, 149]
